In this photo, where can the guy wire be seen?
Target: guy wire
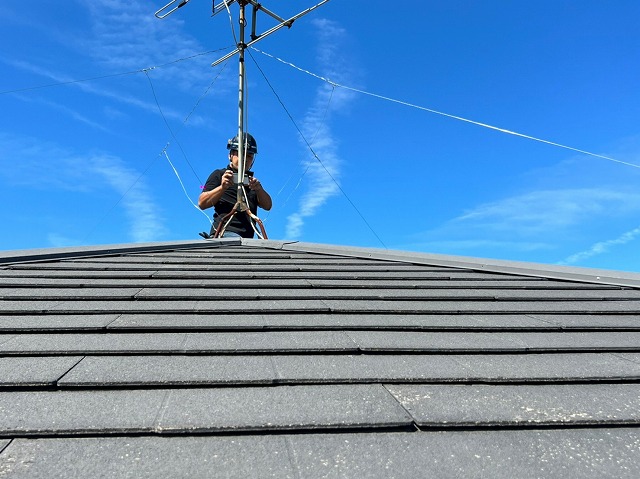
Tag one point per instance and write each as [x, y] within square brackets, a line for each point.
[169, 126]
[111, 75]
[315, 154]
[333, 88]
[455, 117]
[164, 151]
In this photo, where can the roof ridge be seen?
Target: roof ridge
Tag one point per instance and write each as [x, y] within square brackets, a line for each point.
[569, 273]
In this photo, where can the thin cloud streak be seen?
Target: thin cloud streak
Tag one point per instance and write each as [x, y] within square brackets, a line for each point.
[67, 171]
[602, 247]
[548, 210]
[139, 208]
[64, 109]
[543, 221]
[323, 177]
[89, 88]
[127, 36]
[322, 186]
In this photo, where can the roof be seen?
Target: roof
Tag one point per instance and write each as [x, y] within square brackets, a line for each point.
[249, 358]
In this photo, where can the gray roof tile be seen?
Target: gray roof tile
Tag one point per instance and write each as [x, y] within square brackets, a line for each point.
[482, 307]
[634, 357]
[115, 343]
[498, 454]
[90, 343]
[495, 341]
[55, 322]
[37, 371]
[199, 410]
[611, 321]
[281, 408]
[150, 457]
[394, 294]
[285, 341]
[45, 413]
[549, 367]
[511, 405]
[109, 371]
[486, 453]
[328, 320]
[67, 294]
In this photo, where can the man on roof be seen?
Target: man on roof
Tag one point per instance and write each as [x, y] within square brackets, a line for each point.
[220, 191]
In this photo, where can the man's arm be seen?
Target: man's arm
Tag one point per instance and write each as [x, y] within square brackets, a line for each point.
[264, 199]
[207, 199]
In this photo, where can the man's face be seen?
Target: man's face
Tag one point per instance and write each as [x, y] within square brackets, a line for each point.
[248, 159]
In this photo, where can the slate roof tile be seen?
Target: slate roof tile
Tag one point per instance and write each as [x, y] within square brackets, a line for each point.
[256, 358]
[488, 405]
[39, 371]
[493, 453]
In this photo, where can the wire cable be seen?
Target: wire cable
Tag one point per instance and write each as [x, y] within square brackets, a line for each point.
[455, 117]
[206, 92]
[112, 75]
[233, 30]
[315, 155]
[301, 177]
[164, 151]
[146, 72]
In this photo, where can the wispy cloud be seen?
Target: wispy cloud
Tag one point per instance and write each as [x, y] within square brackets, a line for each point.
[323, 175]
[548, 210]
[602, 247]
[543, 221]
[91, 88]
[141, 211]
[127, 36]
[82, 175]
[65, 110]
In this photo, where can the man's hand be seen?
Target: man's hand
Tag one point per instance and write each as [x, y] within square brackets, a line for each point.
[264, 200]
[255, 184]
[227, 180]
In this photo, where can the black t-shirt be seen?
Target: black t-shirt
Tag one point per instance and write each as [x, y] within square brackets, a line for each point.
[241, 223]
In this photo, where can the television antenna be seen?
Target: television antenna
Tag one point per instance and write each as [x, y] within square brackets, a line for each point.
[257, 7]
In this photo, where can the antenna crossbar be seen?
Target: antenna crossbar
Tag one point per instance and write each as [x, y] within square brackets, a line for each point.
[167, 10]
[257, 38]
[222, 6]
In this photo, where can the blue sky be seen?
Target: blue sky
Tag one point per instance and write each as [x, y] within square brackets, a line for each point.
[83, 162]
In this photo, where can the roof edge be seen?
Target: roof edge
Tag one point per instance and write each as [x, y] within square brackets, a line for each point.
[44, 254]
[570, 273]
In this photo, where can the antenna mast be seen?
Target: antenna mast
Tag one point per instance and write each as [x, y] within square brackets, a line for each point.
[241, 105]
[174, 5]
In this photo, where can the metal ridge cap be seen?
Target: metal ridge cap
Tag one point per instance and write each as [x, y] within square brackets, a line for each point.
[570, 273]
[48, 254]
[271, 244]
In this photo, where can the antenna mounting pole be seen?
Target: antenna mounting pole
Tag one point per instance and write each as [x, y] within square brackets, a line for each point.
[241, 105]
